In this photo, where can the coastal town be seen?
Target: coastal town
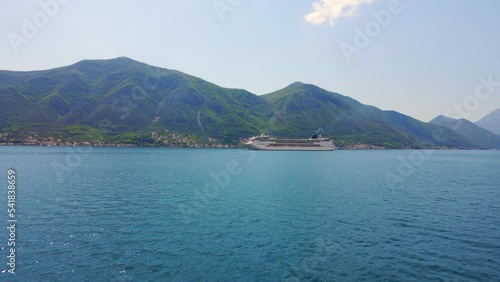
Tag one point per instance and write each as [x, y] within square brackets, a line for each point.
[165, 139]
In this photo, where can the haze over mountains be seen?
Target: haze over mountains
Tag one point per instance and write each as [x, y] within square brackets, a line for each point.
[122, 96]
[491, 122]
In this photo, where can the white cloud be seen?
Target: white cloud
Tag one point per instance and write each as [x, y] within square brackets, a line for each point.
[331, 10]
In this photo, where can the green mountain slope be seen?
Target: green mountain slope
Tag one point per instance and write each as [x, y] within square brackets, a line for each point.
[127, 96]
[482, 137]
[122, 100]
[304, 108]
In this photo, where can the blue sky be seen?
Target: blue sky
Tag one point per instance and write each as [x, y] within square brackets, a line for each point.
[425, 61]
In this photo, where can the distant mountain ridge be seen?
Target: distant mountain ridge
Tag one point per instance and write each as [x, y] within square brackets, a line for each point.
[491, 122]
[119, 98]
[482, 137]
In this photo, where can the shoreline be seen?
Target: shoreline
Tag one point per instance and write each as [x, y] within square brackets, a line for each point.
[227, 146]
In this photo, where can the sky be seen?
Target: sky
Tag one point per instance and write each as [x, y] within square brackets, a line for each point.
[422, 58]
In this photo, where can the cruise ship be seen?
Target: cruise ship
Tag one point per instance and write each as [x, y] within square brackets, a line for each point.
[315, 143]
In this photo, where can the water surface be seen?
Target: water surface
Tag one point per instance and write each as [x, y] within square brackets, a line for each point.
[144, 214]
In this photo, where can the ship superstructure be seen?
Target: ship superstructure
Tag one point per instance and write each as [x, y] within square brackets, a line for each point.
[315, 143]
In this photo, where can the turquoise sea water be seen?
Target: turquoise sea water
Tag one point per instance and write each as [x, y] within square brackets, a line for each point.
[151, 214]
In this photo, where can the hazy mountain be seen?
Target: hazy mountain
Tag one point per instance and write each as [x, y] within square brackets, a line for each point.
[122, 97]
[491, 122]
[480, 136]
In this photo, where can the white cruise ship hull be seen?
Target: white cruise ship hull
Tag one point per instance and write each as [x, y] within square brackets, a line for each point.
[288, 148]
[277, 144]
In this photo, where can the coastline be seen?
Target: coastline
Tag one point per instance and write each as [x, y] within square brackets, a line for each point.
[230, 146]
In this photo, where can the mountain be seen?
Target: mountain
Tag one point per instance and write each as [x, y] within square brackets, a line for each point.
[125, 101]
[491, 122]
[127, 96]
[480, 136]
[301, 108]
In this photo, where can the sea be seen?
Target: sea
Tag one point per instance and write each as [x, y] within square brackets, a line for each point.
[181, 214]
